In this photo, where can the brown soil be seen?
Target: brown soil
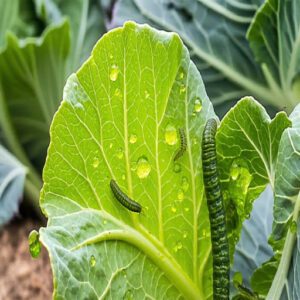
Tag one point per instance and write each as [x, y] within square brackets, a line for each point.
[21, 277]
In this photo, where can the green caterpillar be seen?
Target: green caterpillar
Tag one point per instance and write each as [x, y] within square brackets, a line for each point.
[183, 143]
[220, 248]
[124, 199]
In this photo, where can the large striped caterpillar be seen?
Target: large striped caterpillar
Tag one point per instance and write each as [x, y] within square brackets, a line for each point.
[220, 247]
[183, 143]
[124, 199]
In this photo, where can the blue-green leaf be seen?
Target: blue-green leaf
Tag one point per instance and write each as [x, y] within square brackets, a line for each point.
[12, 177]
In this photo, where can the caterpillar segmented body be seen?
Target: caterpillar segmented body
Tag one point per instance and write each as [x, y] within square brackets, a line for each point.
[124, 199]
[220, 248]
[182, 148]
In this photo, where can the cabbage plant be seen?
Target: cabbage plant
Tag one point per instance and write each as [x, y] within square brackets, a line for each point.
[119, 119]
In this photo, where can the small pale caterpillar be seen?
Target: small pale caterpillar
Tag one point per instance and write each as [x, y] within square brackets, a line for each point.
[182, 148]
[124, 199]
[220, 248]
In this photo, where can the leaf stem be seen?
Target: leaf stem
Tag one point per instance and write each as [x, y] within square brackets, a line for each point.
[284, 265]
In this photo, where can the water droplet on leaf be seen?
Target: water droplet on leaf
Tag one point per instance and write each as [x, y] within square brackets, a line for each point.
[133, 166]
[185, 234]
[184, 183]
[147, 95]
[35, 246]
[133, 138]
[114, 72]
[179, 245]
[171, 135]
[197, 105]
[120, 153]
[96, 162]
[143, 167]
[117, 92]
[182, 89]
[234, 171]
[180, 195]
[177, 168]
[92, 261]
[173, 209]
[128, 295]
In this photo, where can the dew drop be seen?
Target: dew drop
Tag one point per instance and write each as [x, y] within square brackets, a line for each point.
[92, 261]
[111, 145]
[147, 95]
[185, 234]
[197, 105]
[114, 72]
[184, 184]
[234, 171]
[132, 138]
[128, 295]
[35, 246]
[186, 209]
[173, 209]
[181, 75]
[117, 92]
[111, 56]
[120, 153]
[179, 245]
[133, 166]
[96, 162]
[293, 227]
[177, 168]
[182, 89]
[195, 141]
[143, 167]
[171, 135]
[180, 195]
[123, 177]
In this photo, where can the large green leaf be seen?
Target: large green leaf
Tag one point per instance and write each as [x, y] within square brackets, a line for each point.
[274, 37]
[119, 119]
[247, 147]
[253, 249]
[286, 207]
[32, 73]
[12, 176]
[86, 21]
[215, 31]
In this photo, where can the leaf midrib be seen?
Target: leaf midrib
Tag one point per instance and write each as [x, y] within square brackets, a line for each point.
[157, 253]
